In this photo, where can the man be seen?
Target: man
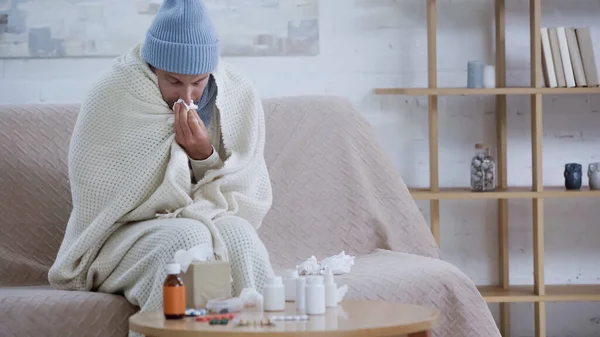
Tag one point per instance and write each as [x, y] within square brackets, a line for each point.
[136, 202]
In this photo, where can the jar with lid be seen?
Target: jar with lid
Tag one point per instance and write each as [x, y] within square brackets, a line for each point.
[315, 295]
[274, 294]
[483, 170]
[289, 283]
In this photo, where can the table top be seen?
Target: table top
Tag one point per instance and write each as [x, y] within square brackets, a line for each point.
[350, 318]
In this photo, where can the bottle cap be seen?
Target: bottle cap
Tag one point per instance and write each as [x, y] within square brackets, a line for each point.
[314, 279]
[329, 277]
[290, 273]
[173, 268]
[274, 281]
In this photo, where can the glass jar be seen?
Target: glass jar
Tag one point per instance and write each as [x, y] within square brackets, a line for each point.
[483, 170]
[173, 293]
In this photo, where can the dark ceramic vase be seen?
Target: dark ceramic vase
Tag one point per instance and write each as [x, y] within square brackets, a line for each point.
[573, 176]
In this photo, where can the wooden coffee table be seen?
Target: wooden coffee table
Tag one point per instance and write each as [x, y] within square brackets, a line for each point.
[351, 318]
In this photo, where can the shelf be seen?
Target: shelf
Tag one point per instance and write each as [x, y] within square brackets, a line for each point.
[509, 193]
[554, 293]
[484, 91]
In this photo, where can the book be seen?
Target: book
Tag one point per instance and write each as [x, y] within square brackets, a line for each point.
[556, 57]
[576, 61]
[547, 62]
[586, 49]
[565, 56]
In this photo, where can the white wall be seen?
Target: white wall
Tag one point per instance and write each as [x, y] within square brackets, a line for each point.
[382, 43]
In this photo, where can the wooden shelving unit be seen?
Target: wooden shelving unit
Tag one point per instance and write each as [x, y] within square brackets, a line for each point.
[457, 193]
[539, 293]
[484, 91]
[554, 293]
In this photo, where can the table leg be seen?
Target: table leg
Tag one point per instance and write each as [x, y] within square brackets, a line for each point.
[421, 334]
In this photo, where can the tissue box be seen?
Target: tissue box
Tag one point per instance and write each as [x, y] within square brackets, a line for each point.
[206, 280]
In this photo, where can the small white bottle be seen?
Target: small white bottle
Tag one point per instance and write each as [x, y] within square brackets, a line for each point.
[289, 283]
[315, 295]
[330, 291]
[274, 294]
[301, 294]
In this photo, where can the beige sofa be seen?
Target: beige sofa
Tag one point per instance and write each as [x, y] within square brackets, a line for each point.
[334, 190]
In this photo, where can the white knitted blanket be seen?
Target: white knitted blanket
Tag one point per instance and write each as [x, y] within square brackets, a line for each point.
[125, 165]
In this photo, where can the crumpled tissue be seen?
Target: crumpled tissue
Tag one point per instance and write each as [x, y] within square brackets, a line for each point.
[171, 119]
[202, 252]
[187, 107]
[338, 264]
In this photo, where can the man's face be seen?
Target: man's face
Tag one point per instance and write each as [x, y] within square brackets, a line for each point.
[175, 86]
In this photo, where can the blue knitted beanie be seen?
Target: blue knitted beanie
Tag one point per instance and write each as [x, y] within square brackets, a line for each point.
[182, 39]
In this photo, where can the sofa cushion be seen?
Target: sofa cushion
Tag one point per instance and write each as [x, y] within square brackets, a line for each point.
[43, 311]
[35, 198]
[408, 278]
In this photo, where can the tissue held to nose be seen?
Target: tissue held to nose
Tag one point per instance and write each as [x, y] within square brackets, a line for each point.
[171, 119]
[187, 107]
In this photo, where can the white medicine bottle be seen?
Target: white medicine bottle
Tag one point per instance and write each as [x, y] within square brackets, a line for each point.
[289, 283]
[315, 295]
[274, 294]
[330, 290]
[301, 294]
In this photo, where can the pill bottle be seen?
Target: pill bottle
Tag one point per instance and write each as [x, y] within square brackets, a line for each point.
[301, 294]
[289, 283]
[274, 294]
[173, 293]
[315, 295]
[330, 291]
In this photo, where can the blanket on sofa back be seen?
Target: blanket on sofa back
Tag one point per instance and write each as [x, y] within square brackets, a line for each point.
[125, 165]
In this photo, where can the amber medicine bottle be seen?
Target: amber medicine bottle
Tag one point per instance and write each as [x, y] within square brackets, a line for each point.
[173, 293]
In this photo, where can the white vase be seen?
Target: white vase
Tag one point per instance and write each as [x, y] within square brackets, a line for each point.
[594, 176]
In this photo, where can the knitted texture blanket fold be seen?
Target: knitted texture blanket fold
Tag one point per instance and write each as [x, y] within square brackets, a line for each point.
[125, 165]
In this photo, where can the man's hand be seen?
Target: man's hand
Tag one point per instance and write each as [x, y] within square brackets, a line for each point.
[191, 133]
